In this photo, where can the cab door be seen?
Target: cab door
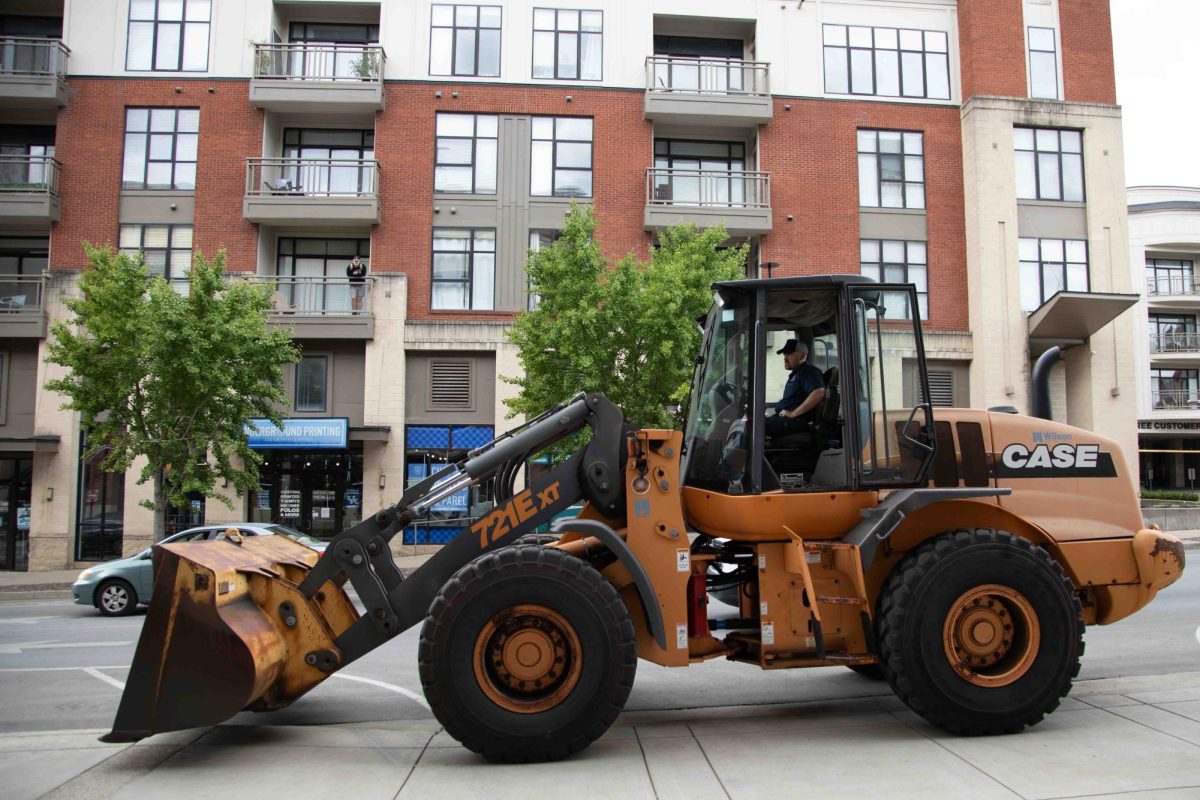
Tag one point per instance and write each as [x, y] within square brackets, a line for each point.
[891, 444]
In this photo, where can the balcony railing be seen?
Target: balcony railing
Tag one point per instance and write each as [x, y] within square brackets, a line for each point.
[1166, 285]
[708, 76]
[311, 177]
[1175, 342]
[705, 188]
[43, 57]
[308, 297]
[1183, 399]
[319, 62]
[29, 174]
[21, 294]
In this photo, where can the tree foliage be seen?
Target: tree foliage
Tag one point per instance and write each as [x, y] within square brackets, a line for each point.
[169, 374]
[627, 329]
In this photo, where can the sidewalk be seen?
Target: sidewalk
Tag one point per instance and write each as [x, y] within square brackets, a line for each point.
[1109, 736]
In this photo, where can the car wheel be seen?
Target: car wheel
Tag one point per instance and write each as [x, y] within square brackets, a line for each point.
[116, 598]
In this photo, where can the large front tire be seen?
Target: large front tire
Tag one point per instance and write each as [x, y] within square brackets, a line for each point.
[981, 632]
[528, 654]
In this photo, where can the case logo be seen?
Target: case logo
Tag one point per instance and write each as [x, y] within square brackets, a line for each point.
[1055, 461]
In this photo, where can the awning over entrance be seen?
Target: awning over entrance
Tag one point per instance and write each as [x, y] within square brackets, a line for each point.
[1069, 318]
[371, 433]
[47, 443]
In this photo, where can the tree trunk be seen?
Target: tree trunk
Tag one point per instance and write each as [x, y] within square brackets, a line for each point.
[160, 507]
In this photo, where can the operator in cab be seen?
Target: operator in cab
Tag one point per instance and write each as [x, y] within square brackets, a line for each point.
[804, 391]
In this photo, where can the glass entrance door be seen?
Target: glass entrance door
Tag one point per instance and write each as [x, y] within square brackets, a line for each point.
[318, 494]
[15, 474]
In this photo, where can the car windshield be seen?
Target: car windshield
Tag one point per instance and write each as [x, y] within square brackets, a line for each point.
[292, 533]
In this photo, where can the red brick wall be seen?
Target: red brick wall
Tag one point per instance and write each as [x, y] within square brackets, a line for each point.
[1088, 72]
[991, 43]
[811, 153]
[404, 145]
[90, 144]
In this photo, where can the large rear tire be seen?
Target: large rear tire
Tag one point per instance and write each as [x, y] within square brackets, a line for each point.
[527, 654]
[981, 632]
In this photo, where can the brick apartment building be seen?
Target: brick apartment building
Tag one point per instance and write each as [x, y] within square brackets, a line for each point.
[971, 147]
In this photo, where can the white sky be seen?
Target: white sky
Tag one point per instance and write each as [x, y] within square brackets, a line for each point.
[1157, 49]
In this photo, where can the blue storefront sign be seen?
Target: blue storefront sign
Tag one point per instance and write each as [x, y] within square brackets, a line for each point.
[309, 433]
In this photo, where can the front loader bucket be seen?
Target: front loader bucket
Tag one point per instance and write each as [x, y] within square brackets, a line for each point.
[228, 629]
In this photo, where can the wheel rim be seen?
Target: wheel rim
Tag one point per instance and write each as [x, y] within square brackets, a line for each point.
[527, 659]
[114, 598]
[991, 635]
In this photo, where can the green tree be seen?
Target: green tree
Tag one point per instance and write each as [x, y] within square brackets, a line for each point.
[626, 329]
[170, 375]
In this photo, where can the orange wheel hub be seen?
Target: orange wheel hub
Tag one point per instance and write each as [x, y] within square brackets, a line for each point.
[527, 659]
[991, 635]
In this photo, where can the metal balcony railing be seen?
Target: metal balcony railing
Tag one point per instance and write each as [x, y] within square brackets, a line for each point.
[304, 296]
[319, 62]
[1184, 399]
[712, 76]
[21, 294]
[1165, 285]
[29, 174]
[706, 188]
[312, 177]
[1175, 342]
[21, 56]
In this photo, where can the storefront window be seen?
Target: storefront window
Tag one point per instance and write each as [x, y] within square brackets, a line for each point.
[15, 478]
[429, 449]
[101, 520]
[316, 492]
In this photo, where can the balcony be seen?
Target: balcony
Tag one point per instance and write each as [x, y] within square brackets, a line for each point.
[313, 307]
[741, 201]
[311, 77]
[707, 91]
[292, 192]
[33, 73]
[1172, 290]
[22, 315]
[29, 191]
[1175, 399]
[1187, 344]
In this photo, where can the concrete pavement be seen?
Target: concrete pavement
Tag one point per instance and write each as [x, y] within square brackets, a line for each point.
[1110, 737]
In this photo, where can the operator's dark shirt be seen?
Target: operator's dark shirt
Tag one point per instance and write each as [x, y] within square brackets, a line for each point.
[802, 382]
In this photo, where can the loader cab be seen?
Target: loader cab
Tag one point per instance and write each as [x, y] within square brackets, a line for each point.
[859, 336]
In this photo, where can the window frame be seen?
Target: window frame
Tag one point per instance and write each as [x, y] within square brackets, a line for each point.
[156, 24]
[327, 358]
[1029, 51]
[1157, 388]
[1059, 154]
[903, 155]
[533, 300]
[554, 143]
[556, 32]
[454, 27]
[899, 49]
[147, 136]
[1042, 265]
[172, 229]
[1170, 269]
[474, 139]
[470, 252]
[882, 265]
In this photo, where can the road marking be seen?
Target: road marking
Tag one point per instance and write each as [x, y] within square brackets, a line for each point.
[56, 669]
[25, 620]
[95, 673]
[416, 698]
[53, 644]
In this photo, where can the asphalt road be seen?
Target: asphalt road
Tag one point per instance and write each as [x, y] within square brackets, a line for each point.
[62, 665]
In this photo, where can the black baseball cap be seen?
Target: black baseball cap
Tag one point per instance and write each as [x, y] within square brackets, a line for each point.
[788, 347]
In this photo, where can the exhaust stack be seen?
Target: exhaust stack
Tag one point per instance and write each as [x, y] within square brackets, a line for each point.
[1040, 380]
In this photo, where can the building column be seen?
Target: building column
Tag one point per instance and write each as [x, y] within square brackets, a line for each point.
[383, 395]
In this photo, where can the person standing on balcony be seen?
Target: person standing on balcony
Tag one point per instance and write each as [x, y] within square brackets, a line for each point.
[356, 271]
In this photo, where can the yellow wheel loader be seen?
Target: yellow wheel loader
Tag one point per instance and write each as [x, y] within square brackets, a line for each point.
[959, 553]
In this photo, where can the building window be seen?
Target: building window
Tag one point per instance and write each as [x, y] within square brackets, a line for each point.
[428, 450]
[1166, 276]
[312, 381]
[1175, 388]
[537, 240]
[464, 269]
[1049, 266]
[160, 148]
[1173, 333]
[311, 273]
[700, 172]
[465, 40]
[99, 534]
[567, 44]
[322, 161]
[561, 164]
[168, 35]
[1043, 64]
[166, 249]
[466, 153]
[333, 50]
[891, 169]
[887, 62]
[1049, 164]
[889, 261]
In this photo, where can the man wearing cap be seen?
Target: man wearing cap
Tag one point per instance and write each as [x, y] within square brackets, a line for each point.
[804, 391]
